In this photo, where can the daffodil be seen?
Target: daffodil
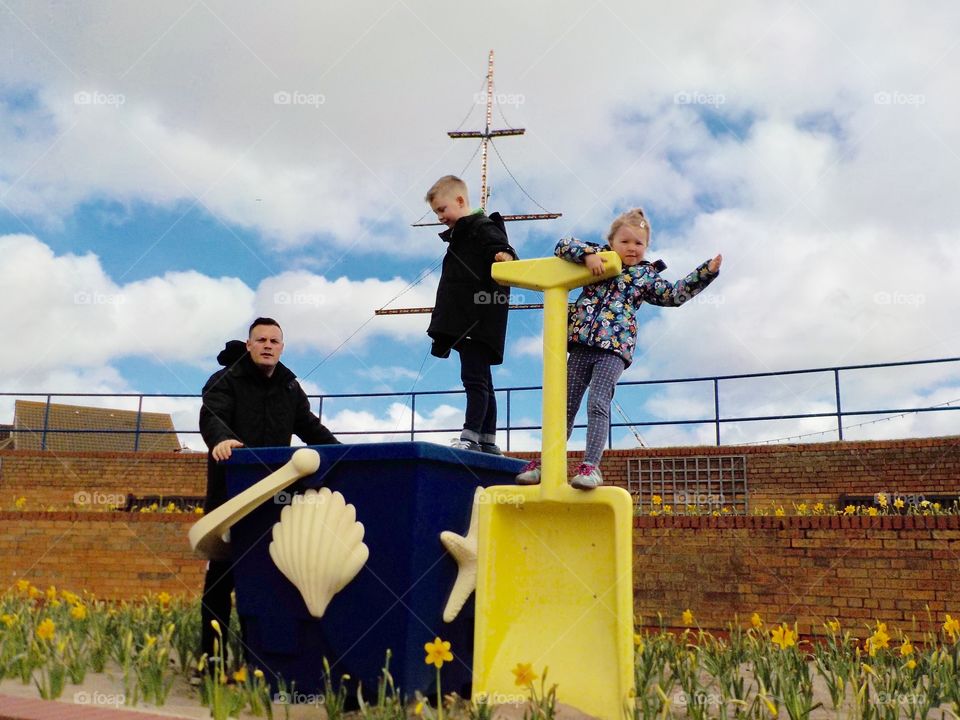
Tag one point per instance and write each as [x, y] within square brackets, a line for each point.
[20, 503]
[756, 620]
[638, 642]
[258, 674]
[818, 508]
[911, 664]
[656, 500]
[783, 636]
[849, 510]
[951, 626]
[898, 503]
[438, 652]
[906, 648]
[51, 593]
[78, 612]
[46, 630]
[687, 618]
[872, 511]
[163, 598]
[240, 676]
[23, 585]
[779, 512]
[523, 674]
[882, 499]
[834, 626]
[878, 641]
[8, 619]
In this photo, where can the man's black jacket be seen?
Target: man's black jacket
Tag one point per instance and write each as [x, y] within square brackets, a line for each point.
[241, 403]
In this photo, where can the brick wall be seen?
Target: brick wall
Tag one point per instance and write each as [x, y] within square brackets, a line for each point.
[56, 479]
[113, 555]
[803, 569]
[776, 473]
[793, 568]
[820, 472]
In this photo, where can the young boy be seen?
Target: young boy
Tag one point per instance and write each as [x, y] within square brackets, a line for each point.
[470, 313]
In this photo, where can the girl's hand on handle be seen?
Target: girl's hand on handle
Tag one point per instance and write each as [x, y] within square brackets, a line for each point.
[714, 265]
[594, 263]
[502, 257]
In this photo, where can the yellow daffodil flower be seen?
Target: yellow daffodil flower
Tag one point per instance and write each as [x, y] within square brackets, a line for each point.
[438, 652]
[783, 636]
[523, 674]
[46, 630]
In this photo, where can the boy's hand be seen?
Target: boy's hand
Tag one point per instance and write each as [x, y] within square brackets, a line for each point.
[594, 263]
[503, 256]
[714, 265]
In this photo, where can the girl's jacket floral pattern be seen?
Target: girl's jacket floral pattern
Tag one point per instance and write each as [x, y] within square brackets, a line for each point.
[604, 316]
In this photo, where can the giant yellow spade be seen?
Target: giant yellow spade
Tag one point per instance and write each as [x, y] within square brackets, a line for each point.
[555, 580]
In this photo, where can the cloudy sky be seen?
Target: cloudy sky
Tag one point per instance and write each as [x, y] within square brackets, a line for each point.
[168, 171]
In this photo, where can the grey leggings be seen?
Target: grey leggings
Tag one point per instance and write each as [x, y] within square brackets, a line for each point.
[598, 370]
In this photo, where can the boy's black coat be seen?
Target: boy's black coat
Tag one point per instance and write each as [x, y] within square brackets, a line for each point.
[469, 302]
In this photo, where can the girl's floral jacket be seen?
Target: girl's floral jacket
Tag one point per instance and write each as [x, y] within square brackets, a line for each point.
[604, 316]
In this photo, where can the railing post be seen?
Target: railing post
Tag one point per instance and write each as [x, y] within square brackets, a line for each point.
[836, 384]
[508, 420]
[413, 415]
[46, 420]
[716, 407]
[320, 408]
[136, 435]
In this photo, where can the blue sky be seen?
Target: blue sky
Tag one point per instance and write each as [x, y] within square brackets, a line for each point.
[168, 173]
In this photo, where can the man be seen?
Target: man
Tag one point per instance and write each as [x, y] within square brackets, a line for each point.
[255, 401]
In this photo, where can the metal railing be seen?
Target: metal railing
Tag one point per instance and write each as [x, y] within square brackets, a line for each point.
[718, 420]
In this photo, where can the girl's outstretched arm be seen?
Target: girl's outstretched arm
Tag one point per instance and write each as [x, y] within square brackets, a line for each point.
[658, 291]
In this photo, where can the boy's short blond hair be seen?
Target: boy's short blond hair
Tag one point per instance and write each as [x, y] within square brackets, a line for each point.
[634, 218]
[448, 183]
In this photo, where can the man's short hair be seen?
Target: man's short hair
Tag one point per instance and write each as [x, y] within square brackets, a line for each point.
[448, 183]
[263, 321]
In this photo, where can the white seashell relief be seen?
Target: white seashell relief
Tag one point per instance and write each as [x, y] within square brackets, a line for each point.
[318, 546]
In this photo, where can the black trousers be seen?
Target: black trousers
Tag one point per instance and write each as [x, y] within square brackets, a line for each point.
[480, 419]
[216, 605]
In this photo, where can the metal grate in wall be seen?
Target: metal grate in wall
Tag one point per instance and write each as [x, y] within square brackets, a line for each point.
[691, 485]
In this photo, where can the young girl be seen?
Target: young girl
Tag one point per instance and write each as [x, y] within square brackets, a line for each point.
[603, 329]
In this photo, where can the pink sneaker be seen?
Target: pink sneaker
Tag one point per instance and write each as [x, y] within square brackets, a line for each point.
[587, 478]
[530, 475]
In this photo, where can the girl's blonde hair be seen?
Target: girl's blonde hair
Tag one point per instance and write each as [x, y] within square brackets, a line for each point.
[632, 218]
